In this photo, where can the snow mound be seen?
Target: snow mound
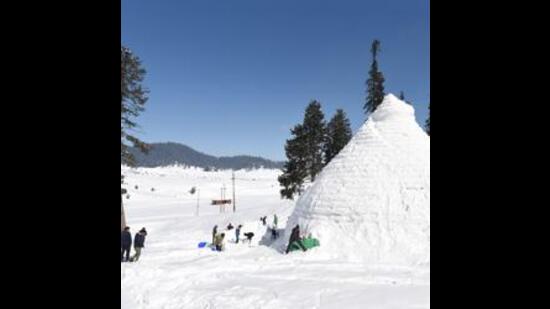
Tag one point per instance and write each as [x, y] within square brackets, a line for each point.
[372, 201]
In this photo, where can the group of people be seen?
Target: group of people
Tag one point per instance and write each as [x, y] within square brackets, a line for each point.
[126, 244]
[218, 239]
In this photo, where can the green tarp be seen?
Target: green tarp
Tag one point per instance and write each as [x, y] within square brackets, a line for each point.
[308, 243]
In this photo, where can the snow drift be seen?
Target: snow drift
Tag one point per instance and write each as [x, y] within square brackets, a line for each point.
[372, 201]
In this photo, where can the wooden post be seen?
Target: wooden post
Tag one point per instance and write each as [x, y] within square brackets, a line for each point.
[122, 215]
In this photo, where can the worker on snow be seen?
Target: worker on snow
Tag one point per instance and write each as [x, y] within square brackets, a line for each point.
[275, 221]
[218, 242]
[126, 244]
[295, 237]
[229, 227]
[237, 233]
[139, 241]
[214, 232]
[249, 236]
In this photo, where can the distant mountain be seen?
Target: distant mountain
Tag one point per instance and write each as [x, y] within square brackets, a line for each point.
[164, 154]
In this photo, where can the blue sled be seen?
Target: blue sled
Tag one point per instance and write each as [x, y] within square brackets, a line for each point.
[202, 244]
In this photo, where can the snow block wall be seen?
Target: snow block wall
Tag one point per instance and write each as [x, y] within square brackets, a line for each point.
[372, 201]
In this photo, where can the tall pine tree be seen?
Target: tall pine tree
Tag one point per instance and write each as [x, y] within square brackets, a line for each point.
[428, 120]
[294, 170]
[314, 137]
[133, 99]
[375, 82]
[304, 151]
[338, 135]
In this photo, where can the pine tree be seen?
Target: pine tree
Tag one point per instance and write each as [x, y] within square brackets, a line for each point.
[294, 170]
[133, 98]
[304, 151]
[428, 120]
[314, 138]
[375, 83]
[338, 135]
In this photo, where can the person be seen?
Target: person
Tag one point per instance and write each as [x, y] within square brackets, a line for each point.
[237, 232]
[214, 232]
[229, 227]
[218, 242]
[126, 244]
[274, 232]
[295, 237]
[139, 241]
[263, 220]
[249, 236]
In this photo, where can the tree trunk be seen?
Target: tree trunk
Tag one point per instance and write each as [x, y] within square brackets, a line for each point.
[122, 216]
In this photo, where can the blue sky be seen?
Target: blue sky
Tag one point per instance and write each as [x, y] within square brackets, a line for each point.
[232, 77]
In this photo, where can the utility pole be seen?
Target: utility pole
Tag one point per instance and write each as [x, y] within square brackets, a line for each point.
[233, 179]
[198, 197]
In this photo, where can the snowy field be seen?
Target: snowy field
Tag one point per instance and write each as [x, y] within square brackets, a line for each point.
[173, 273]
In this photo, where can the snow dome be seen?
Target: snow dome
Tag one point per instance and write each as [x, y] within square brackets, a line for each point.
[372, 201]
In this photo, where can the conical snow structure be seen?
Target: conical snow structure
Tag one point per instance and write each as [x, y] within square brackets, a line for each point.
[372, 201]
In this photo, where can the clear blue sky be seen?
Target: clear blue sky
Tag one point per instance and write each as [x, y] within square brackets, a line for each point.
[232, 77]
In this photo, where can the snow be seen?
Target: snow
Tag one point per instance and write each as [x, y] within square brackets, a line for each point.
[370, 209]
[371, 203]
[173, 273]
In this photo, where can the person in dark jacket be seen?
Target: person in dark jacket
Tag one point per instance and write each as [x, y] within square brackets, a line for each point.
[295, 237]
[214, 232]
[274, 233]
[229, 227]
[248, 236]
[139, 243]
[126, 244]
[237, 233]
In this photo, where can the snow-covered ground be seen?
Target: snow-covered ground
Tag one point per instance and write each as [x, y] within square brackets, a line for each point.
[174, 273]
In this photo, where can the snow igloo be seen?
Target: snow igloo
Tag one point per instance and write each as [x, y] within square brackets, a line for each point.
[372, 201]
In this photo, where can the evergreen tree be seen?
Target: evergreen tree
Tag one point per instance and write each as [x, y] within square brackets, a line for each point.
[294, 170]
[133, 99]
[375, 82]
[304, 151]
[338, 135]
[428, 120]
[314, 137]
